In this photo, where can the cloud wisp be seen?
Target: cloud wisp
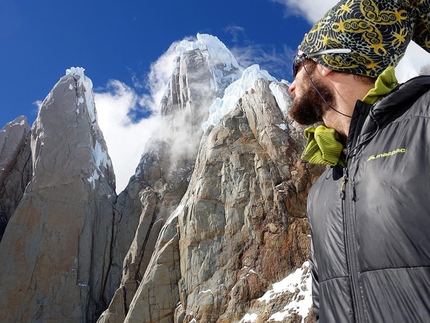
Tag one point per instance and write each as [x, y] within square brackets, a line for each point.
[158, 78]
[310, 10]
[277, 62]
[128, 136]
[125, 138]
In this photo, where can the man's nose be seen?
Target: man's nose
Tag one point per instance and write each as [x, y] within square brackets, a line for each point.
[292, 87]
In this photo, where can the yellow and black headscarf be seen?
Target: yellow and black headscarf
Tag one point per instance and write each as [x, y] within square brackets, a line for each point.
[376, 31]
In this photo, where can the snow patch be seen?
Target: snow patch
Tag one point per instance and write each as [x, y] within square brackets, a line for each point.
[301, 302]
[232, 94]
[82, 285]
[249, 318]
[298, 284]
[47, 98]
[100, 156]
[12, 124]
[94, 178]
[279, 95]
[283, 126]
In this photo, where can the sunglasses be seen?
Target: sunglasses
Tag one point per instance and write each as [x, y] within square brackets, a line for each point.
[299, 59]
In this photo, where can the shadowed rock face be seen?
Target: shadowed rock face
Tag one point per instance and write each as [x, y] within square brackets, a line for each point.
[208, 223]
[15, 166]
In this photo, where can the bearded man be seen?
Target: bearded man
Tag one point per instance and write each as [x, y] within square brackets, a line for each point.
[370, 211]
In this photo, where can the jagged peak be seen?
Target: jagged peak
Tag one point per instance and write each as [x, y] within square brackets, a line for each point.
[221, 62]
[19, 121]
[99, 150]
[73, 93]
[217, 51]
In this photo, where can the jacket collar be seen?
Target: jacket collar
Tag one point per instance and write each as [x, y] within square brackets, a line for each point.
[401, 98]
[367, 119]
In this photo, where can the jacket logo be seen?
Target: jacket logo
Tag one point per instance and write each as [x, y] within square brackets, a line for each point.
[389, 154]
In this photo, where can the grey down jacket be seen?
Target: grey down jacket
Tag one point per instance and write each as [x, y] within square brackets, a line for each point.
[370, 221]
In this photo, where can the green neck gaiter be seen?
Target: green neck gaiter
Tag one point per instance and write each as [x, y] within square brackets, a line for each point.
[384, 84]
[323, 146]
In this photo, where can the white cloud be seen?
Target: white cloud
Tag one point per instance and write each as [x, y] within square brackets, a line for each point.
[158, 77]
[125, 140]
[311, 10]
[38, 104]
[235, 31]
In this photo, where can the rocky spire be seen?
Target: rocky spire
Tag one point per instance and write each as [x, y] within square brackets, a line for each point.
[164, 171]
[56, 248]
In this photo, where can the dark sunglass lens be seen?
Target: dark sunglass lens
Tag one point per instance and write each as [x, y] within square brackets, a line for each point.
[296, 64]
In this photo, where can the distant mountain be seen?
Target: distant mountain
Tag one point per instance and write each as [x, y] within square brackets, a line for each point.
[211, 227]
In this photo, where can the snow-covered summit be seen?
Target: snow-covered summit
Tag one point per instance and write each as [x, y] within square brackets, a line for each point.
[217, 51]
[222, 63]
[221, 106]
[230, 81]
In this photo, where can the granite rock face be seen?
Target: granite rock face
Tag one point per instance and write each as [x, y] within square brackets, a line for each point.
[57, 241]
[240, 227]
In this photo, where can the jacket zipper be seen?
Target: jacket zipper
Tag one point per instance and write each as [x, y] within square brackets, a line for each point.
[348, 197]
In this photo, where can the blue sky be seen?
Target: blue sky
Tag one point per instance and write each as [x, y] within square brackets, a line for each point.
[124, 48]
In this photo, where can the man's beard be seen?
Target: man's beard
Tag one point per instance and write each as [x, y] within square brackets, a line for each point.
[310, 107]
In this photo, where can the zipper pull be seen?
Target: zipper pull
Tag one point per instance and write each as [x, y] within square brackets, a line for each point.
[344, 181]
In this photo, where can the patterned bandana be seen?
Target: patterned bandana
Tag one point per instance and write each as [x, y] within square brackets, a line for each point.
[377, 32]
